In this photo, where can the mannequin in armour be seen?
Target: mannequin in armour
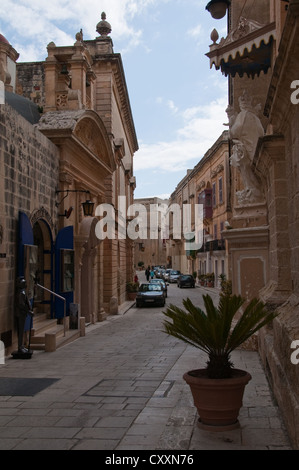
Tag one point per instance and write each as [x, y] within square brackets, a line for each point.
[23, 308]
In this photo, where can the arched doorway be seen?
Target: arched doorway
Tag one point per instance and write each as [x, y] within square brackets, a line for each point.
[44, 265]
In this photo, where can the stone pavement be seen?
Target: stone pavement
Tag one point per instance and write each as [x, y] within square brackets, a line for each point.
[120, 388]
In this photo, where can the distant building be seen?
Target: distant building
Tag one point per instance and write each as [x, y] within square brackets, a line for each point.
[208, 186]
[151, 250]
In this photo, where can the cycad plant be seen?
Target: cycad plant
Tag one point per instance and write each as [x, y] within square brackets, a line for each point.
[213, 332]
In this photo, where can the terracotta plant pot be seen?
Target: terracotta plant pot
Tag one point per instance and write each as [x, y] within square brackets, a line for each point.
[131, 295]
[218, 401]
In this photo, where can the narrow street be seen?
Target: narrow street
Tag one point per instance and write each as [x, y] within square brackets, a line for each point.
[121, 388]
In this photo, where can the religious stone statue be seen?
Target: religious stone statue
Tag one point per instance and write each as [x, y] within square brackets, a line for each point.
[23, 308]
[245, 128]
[240, 160]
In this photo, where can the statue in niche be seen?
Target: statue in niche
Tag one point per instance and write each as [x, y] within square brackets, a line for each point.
[245, 128]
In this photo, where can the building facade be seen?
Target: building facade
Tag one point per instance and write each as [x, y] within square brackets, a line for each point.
[206, 190]
[77, 149]
[260, 57]
[150, 250]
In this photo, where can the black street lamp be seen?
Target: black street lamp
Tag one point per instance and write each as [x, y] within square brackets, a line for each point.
[88, 208]
[218, 8]
[87, 205]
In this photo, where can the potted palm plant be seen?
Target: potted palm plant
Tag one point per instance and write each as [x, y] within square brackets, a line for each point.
[210, 277]
[132, 289]
[218, 388]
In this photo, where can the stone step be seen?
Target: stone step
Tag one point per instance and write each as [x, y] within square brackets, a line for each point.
[47, 335]
[42, 324]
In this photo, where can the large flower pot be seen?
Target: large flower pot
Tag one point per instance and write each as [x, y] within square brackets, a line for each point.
[131, 295]
[218, 401]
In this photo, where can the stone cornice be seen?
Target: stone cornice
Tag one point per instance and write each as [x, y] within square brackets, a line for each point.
[116, 61]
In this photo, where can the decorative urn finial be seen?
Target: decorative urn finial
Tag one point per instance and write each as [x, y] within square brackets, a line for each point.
[103, 27]
[214, 36]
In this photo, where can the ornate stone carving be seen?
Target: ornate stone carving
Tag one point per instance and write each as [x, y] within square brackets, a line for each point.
[61, 100]
[103, 27]
[59, 120]
[42, 213]
[245, 128]
[79, 36]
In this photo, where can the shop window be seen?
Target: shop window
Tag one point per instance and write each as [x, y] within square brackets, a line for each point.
[67, 270]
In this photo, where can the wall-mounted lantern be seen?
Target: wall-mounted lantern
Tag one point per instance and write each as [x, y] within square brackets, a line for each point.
[87, 205]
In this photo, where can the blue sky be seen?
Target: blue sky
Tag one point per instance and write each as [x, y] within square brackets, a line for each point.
[178, 102]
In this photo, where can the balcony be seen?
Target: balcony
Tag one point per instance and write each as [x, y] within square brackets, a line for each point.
[213, 245]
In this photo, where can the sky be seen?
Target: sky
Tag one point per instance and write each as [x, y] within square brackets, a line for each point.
[178, 103]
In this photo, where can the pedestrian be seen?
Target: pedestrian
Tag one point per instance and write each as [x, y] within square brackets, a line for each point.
[147, 273]
[152, 274]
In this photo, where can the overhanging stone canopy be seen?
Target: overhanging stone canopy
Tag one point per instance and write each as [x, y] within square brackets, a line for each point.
[247, 49]
[86, 131]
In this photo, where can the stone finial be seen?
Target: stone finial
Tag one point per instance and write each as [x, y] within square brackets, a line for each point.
[214, 36]
[79, 36]
[103, 27]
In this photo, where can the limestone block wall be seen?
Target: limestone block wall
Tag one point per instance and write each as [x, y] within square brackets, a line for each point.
[29, 165]
[31, 82]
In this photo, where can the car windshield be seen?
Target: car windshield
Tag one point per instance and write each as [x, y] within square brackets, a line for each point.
[175, 272]
[186, 276]
[150, 287]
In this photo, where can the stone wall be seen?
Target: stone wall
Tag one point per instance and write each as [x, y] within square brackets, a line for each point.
[29, 165]
[31, 82]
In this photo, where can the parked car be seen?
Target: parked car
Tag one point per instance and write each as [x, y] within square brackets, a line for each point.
[162, 283]
[174, 275]
[186, 280]
[150, 294]
[162, 272]
[158, 272]
[166, 274]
